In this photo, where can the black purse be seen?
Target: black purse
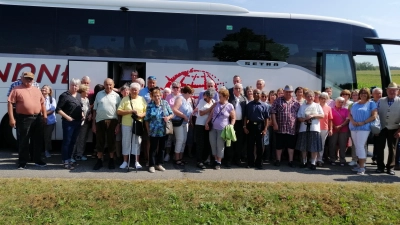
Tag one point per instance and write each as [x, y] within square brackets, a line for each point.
[137, 126]
[177, 123]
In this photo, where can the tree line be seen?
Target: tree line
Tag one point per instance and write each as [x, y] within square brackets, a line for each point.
[370, 66]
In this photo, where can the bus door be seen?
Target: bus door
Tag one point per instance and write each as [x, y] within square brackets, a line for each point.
[338, 71]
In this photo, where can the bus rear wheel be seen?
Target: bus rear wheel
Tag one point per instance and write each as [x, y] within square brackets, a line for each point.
[7, 136]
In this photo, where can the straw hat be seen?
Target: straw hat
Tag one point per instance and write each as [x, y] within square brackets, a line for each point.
[392, 85]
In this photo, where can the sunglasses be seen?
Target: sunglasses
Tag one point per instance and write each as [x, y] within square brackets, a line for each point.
[175, 87]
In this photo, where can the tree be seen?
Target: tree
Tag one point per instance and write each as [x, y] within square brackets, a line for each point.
[365, 66]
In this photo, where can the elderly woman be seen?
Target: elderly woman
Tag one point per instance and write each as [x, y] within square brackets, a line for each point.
[249, 93]
[264, 97]
[51, 105]
[376, 95]
[361, 114]
[70, 108]
[131, 106]
[202, 135]
[183, 111]
[309, 138]
[316, 96]
[299, 92]
[270, 151]
[346, 95]
[124, 91]
[279, 92]
[340, 133]
[166, 92]
[354, 159]
[211, 87]
[325, 124]
[175, 92]
[158, 113]
[222, 114]
[80, 145]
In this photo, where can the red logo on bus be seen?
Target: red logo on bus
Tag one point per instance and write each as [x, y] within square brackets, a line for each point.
[197, 79]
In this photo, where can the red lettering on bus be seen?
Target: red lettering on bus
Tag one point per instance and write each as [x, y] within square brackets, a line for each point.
[52, 77]
[4, 76]
[65, 76]
[20, 66]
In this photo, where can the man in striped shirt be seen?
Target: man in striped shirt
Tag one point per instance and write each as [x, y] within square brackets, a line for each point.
[284, 113]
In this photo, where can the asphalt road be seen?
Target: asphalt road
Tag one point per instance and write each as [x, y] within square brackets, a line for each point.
[328, 173]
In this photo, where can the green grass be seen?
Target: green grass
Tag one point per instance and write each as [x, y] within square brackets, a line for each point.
[370, 78]
[58, 201]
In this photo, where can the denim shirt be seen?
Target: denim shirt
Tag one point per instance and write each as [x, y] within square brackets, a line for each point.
[51, 118]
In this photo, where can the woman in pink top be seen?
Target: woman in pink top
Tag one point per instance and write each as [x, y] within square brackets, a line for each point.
[325, 124]
[340, 131]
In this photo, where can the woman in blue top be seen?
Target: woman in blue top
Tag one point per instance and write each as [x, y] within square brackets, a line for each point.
[182, 110]
[51, 105]
[361, 114]
[158, 112]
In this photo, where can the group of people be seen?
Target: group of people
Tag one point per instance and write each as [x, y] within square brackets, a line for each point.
[244, 126]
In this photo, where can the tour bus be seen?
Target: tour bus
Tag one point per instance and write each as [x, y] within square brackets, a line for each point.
[188, 42]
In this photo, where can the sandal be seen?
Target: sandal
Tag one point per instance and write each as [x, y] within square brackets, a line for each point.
[184, 162]
[68, 166]
[179, 163]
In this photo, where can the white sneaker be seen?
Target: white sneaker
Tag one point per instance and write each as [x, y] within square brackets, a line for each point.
[137, 165]
[352, 163]
[152, 170]
[47, 154]
[166, 158]
[361, 171]
[123, 165]
[160, 168]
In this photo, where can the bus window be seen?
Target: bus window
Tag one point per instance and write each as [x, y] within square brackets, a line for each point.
[91, 32]
[158, 35]
[338, 72]
[229, 38]
[367, 71]
[22, 23]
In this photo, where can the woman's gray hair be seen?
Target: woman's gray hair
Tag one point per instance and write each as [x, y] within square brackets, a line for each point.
[175, 84]
[75, 81]
[140, 81]
[324, 95]
[339, 99]
[377, 89]
[135, 85]
[207, 93]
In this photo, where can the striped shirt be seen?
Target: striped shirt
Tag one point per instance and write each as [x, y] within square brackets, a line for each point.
[17, 83]
[285, 114]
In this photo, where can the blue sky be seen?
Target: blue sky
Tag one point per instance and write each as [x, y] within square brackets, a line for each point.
[384, 16]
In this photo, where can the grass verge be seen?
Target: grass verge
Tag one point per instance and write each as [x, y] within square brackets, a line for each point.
[50, 201]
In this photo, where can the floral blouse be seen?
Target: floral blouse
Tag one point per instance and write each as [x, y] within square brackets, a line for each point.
[154, 115]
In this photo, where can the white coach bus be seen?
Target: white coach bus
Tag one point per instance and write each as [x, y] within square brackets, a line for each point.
[178, 41]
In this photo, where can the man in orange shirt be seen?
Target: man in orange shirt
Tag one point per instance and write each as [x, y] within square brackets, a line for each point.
[29, 103]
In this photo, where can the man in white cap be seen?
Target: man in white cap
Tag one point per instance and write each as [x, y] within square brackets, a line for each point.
[388, 110]
[284, 114]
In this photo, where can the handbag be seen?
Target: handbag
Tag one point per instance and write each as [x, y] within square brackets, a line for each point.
[169, 129]
[375, 125]
[210, 124]
[137, 126]
[177, 123]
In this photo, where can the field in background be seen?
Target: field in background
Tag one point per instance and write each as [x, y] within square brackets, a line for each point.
[371, 78]
[63, 201]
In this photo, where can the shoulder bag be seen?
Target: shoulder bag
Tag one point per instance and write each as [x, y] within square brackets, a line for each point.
[137, 126]
[169, 129]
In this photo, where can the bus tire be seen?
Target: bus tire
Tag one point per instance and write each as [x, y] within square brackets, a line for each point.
[7, 136]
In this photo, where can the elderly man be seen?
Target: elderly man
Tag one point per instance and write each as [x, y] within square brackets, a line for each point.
[256, 127]
[376, 95]
[106, 122]
[236, 80]
[235, 152]
[145, 92]
[388, 110]
[260, 84]
[29, 103]
[211, 88]
[284, 112]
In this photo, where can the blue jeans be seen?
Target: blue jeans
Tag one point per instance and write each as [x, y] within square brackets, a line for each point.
[70, 133]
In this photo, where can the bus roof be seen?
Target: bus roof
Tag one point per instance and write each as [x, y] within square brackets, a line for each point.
[173, 7]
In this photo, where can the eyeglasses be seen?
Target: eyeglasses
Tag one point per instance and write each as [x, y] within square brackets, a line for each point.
[175, 87]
